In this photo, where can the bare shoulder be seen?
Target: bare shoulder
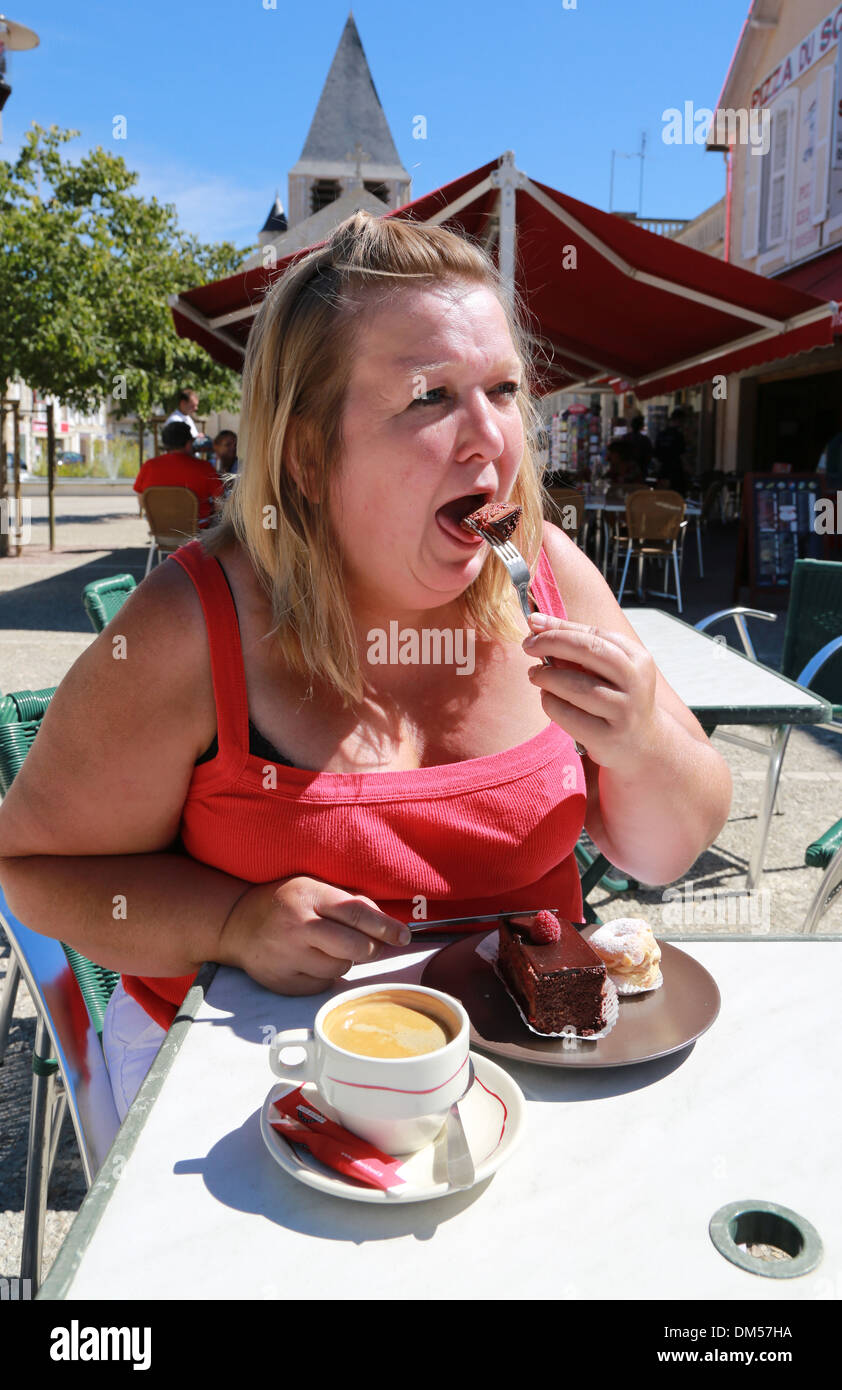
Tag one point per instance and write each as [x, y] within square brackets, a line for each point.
[109, 770]
[154, 652]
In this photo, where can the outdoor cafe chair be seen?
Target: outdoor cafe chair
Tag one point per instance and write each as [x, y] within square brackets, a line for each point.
[824, 853]
[102, 598]
[68, 1069]
[70, 994]
[812, 657]
[653, 522]
[172, 514]
[616, 530]
[20, 715]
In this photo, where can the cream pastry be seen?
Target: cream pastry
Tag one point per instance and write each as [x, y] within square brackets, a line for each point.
[630, 952]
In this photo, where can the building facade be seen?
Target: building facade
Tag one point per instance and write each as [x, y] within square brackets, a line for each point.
[779, 124]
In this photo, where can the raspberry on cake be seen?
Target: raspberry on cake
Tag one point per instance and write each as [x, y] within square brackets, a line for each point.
[544, 926]
[557, 979]
[500, 518]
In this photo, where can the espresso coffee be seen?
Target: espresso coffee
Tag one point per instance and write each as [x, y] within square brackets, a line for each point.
[400, 1023]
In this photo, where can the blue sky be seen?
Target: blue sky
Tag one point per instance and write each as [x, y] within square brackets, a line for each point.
[218, 94]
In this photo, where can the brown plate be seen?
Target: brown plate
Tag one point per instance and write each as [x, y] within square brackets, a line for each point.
[650, 1025]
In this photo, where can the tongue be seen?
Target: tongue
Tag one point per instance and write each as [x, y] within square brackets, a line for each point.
[460, 507]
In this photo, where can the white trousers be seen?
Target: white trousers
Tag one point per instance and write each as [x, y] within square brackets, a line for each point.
[130, 1042]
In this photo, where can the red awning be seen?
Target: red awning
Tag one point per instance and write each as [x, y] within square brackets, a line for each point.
[821, 276]
[605, 298]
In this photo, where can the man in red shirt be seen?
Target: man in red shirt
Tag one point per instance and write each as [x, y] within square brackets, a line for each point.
[180, 468]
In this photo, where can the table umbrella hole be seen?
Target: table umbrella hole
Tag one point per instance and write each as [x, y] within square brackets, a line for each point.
[767, 1239]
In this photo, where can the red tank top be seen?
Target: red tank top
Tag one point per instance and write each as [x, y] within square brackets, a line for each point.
[495, 832]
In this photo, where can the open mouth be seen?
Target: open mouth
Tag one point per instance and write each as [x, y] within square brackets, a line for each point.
[454, 512]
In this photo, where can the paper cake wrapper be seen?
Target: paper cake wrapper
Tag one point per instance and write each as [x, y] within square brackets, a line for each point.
[622, 985]
[487, 950]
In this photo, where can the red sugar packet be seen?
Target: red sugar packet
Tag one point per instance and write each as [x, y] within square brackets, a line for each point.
[301, 1123]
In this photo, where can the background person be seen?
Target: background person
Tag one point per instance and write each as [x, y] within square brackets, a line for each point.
[638, 447]
[225, 452]
[622, 467]
[830, 462]
[188, 404]
[670, 448]
[179, 467]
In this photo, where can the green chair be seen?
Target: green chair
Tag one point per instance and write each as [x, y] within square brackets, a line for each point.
[812, 656]
[62, 996]
[20, 720]
[20, 717]
[102, 598]
[824, 853]
[25, 705]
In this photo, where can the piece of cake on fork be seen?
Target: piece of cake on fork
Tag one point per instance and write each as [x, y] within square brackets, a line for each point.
[500, 518]
[557, 979]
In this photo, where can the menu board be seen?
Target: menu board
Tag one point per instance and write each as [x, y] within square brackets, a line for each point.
[777, 527]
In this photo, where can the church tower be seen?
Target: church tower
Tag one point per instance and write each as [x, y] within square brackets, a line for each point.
[349, 145]
[275, 225]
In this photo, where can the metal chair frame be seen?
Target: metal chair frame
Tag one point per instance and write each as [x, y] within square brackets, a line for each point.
[831, 880]
[776, 748]
[68, 1066]
[645, 547]
[62, 1050]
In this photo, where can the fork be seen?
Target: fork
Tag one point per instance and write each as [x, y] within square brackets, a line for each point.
[520, 577]
[517, 568]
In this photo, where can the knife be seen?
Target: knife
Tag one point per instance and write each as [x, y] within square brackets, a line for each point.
[455, 923]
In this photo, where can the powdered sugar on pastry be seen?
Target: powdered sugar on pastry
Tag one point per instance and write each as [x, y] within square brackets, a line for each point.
[630, 952]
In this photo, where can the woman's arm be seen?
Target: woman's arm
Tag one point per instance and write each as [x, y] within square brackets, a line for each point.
[86, 825]
[658, 791]
[87, 822]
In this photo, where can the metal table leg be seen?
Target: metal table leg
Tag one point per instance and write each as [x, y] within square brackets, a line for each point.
[780, 739]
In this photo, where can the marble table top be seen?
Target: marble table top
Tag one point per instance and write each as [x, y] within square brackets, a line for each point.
[608, 1196]
[716, 682]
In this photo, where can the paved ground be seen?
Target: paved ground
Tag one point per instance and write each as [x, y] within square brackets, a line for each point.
[43, 628]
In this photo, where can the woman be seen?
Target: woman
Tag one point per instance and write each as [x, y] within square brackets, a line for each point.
[256, 783]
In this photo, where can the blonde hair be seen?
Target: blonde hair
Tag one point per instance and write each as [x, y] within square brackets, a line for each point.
[295, 381]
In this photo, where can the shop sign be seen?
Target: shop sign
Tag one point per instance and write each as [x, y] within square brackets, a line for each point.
[803, 56]
[805, 237]
[836, 154]
[40, 427]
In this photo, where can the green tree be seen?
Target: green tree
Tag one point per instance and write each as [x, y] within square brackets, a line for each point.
[86, 268]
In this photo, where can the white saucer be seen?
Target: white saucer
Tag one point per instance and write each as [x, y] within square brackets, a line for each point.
[493, 1115]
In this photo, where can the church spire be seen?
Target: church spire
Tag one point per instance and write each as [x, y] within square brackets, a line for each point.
[349, 108]
[349, 147]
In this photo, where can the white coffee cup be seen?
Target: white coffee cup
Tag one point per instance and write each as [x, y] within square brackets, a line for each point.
[398, 1103]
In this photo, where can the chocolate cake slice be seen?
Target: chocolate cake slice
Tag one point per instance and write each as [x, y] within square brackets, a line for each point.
[500, 518]
[557, 983]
